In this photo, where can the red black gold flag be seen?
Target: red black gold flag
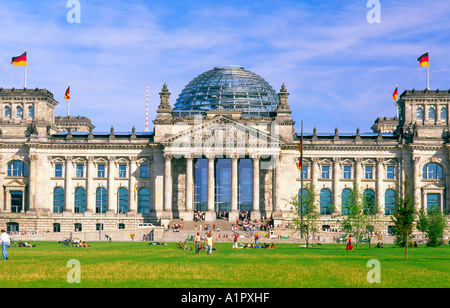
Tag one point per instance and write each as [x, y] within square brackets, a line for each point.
[423, 60]
[20, 60]
[299, 167]
[395, 94]
[67, 95]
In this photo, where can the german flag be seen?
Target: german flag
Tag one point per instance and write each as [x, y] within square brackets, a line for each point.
[423, 60]
[300, 161]
[395, 94]
[67, 95]
[20, 60]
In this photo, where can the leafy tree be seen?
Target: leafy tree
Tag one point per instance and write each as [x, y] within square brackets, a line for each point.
[436, 227]
[403, 217]
[361, 216]
[306, 216]
[423, 223]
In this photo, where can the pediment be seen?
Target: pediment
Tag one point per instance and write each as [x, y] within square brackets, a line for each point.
[433, 186]
[15, 184]
[223, 131]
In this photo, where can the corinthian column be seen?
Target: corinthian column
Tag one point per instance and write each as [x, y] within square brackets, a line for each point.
[234, 188]
[189, 214]
[211, 214]
[256, 213]
[69, 201]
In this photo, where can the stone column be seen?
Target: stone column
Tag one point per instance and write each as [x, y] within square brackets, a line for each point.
[168, 185]
[211, 214]
[416, 179]
[90, 187]
[379, 199]
[256, 213]
[336, 175]
[189, 213]
[234, 214]
[132, 203]
[32, 185]
[358, 171]
[69, 201]
[314, 174]
[112, 199]
[276, 189]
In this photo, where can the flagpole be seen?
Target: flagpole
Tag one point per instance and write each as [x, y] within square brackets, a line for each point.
[428, 71]
[301, 179]
[68, 105]
[25, 78]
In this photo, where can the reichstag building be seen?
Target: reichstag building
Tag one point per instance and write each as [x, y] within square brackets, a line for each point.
[227, 145]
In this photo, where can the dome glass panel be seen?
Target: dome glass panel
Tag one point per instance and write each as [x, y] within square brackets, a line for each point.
[228, 88]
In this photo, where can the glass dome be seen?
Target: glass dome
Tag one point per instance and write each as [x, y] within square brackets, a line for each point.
[227, 88]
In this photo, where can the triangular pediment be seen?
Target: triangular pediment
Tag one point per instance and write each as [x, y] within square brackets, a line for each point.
[15, 184]
[223, 131]
[433, 186]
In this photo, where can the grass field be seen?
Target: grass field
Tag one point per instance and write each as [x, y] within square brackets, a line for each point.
[134, 265]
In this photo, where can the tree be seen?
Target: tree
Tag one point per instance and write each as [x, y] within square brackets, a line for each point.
[423, 223]
[361, 214]
[306, 216]
[403, 217]
[436, 227]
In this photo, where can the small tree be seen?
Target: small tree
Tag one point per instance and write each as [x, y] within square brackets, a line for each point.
[403, 218]
[306, 216]
[355, 221]
[423, 223]
[436, 227]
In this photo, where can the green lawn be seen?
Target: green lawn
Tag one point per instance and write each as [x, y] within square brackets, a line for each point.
[287, 266]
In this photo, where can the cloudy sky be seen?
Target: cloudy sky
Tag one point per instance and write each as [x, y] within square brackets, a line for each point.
[340, 69]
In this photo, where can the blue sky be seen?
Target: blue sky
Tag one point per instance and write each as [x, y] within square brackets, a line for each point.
[340, 70]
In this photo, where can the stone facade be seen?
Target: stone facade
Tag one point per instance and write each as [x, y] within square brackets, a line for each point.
[53, 169]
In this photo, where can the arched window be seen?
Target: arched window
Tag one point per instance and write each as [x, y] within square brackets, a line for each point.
[389, 202]
[444, 113]
[325, 202]
[144, 201]
[58, 200]
[419, 113]
[7, 112]
[432, 113]
[122, 200]
[80, 200]
[17, 168]
[19, 112]
[101, 196]
[368, 201]
[346, 201]
[432, 171]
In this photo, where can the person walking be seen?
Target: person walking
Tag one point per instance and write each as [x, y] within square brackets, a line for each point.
[198, 243]
[209, 243]
[256, 238]
[349, 243]
[235, 243]
[4, 239]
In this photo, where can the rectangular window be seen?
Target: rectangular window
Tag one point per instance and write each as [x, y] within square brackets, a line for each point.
[101, 171]
[305, 172]
[80, 170]
[390, 172]
[368, 172]
[347, 172]
[122, 171]
[58, 170]
[143, 170]
[325, 172]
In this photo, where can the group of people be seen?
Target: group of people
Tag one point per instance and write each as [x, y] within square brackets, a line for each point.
[208, 243]
[79, 243]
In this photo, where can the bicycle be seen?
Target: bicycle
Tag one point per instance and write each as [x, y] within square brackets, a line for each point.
[183, 246]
